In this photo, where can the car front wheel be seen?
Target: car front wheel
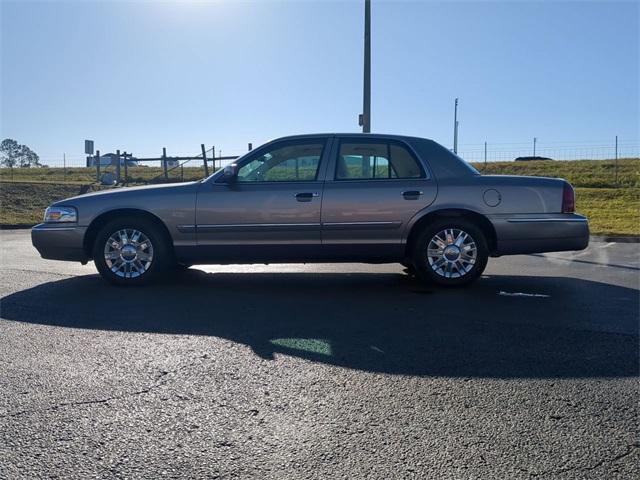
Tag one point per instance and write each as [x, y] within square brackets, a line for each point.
[130, 251]
[450, 252]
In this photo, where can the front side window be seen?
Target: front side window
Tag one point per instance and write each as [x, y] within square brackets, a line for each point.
[374, 161]
[297, 162]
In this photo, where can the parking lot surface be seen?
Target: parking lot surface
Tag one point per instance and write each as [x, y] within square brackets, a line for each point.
[321, 371]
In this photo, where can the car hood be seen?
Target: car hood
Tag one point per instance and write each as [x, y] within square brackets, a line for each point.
[125, 191]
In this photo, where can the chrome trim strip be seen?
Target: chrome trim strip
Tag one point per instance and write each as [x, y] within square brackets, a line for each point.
[186, 228]
[258, 227]
[361, 225]
[253, 225]
[51, 228]
[547, 220]
[357, 223]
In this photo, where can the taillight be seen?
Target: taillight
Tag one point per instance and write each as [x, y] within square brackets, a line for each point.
[568, 199]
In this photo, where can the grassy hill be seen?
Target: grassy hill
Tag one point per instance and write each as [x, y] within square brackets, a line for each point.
[580, 173]
[612, 209]
[88, 175]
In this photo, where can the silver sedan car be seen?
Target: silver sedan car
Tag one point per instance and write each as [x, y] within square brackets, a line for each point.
[320, 198]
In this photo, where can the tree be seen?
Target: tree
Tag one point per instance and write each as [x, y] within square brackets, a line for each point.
[9, 152]
[28, 158]
[13, 154]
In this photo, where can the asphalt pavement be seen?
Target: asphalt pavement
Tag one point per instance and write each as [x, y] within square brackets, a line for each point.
[321, 371]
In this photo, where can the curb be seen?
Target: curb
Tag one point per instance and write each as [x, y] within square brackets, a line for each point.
[615, 238]
[8, 226]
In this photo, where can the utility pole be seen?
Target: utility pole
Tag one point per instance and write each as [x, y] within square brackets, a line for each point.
[455, 126]
[365, 117]
[535, 139]
[64, 165]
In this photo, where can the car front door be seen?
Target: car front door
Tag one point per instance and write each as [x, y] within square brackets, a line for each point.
[376, 186]
[271, 211]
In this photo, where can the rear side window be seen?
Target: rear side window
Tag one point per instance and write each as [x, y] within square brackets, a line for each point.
[376, 161]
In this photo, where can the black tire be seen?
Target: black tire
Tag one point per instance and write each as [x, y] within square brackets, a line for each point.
[157, 257]
[459, 267]
[409, 269]
[179, 268]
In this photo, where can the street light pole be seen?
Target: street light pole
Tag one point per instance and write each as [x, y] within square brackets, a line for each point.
[365, 118]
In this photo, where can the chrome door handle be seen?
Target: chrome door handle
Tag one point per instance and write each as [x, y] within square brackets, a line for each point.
[411, 194]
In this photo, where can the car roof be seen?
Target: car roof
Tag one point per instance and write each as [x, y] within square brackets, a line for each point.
[349, 134]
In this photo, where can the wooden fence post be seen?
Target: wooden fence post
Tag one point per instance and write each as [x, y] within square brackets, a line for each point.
[164, 163]
[126, 170]
[97, 158]
[204, 159]
[117, 166]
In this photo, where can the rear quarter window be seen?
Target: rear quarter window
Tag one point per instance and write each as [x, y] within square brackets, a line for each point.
[376, 160]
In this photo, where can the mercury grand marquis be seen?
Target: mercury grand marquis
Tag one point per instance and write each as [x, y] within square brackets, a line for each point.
[320, 198]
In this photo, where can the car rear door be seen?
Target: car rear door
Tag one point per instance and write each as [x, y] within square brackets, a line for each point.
[374, 186]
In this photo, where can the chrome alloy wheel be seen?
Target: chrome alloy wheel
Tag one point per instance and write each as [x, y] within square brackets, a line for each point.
[128, 253]
[452, 253]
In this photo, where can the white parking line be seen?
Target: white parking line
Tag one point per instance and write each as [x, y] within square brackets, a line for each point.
[520, 294]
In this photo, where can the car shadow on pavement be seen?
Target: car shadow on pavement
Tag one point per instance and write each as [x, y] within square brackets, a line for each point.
[384, 323]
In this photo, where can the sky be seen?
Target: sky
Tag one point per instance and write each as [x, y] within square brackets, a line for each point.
[140, 76]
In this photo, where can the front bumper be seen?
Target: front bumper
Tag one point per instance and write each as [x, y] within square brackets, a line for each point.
[520, 234]
[59, 241]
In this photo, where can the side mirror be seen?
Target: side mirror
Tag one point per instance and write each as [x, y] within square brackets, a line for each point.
[230, 173]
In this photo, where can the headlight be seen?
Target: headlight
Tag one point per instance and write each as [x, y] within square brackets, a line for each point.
[60, 214]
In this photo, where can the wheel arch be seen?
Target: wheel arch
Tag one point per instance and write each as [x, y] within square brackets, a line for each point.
[481, 221]
[103, 218]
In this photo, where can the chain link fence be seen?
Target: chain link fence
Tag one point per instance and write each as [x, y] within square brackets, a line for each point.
[130, 170]
[504, 152]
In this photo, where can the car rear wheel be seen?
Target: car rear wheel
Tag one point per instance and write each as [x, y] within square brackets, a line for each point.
[130, 251]
[450, 252]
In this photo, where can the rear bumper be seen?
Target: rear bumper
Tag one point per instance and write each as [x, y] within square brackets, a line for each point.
[59, 242]
[520, 234]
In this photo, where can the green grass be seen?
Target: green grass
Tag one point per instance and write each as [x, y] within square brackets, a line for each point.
[614, 211]
[611, 211]
[581, 173]
[135, 175]
[24, 203]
